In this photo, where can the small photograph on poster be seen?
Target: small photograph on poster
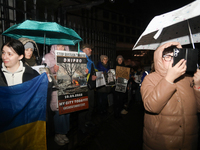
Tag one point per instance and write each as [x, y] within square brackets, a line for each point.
[100, 80]
[71, 73]
[121, 85]
[110, 78]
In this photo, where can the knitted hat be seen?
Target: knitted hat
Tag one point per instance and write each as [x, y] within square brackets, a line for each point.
[120, 56]
[28, 45]
[102, 57]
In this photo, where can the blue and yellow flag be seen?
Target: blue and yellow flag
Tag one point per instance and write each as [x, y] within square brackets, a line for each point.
[23, 115]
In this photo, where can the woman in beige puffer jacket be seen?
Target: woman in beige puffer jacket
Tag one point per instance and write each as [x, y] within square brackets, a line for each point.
[171, 104]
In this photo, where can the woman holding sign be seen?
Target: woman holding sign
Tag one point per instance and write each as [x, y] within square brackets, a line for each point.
[103, 91]
[61, 122]
[119, 97]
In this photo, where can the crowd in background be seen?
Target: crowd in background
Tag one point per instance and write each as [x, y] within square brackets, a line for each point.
[18, 56]
[100, 99]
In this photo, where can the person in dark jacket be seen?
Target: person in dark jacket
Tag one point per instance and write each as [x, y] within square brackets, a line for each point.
[85, 116]
[119, 97]
[102, 92]
[13, 70]
[60, 123]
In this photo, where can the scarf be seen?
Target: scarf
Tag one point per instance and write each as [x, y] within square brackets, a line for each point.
[31, 61]
[105, 65]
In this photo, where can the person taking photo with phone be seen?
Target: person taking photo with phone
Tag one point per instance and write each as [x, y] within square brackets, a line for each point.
[171, 100]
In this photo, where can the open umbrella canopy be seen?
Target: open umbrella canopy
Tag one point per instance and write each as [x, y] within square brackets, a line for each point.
[48, 33]
[181, 25]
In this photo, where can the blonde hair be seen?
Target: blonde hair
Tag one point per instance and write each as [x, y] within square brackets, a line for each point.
[102, 57]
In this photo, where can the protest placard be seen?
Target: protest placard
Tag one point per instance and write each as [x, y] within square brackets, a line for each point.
[72, 81]
[123, 72]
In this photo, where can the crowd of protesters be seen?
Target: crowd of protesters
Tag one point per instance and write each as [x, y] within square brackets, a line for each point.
[19, 56]
[97, 97]
[30, 57]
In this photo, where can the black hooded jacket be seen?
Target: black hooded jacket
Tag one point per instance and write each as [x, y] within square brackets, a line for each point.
[28, 74]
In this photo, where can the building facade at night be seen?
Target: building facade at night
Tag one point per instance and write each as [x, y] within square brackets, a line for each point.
[110, 31]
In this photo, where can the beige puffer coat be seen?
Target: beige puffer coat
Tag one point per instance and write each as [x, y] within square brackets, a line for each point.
[170, 121]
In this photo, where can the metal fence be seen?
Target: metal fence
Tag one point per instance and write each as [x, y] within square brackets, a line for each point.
[101, 41]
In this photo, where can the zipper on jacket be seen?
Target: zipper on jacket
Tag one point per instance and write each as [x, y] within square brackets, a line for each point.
[13, 79]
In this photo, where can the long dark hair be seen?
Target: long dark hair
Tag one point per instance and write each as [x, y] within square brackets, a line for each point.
[16, 45]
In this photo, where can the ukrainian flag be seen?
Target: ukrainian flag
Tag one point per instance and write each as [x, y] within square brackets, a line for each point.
[23, 115]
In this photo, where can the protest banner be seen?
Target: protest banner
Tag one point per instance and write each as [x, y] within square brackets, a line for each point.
[121, 85]
[100, 80]
[72, 81]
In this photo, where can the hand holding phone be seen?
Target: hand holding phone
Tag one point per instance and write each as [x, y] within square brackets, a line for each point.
[190, 55]
[176, 71]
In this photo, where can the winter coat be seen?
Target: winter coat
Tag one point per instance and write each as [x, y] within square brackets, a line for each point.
[50, 60]
[100, 67]
[170, 120]
[36, 54]
[89, 64]
[116, 64]
[28, 74]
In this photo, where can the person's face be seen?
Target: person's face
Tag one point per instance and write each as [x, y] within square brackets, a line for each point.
[129, 62]
[167, 60]
[10, 57]
[119, 61]
[28, 53]
[87, 51]
[61, 47]
[105, 60]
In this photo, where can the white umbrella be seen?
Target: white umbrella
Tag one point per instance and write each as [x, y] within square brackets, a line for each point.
[181, 25]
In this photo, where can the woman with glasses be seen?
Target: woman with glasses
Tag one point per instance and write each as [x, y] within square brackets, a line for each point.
[171, 101]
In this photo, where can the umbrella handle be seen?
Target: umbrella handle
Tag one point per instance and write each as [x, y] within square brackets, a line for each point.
[78, 47]
[190, 34]
[44, 44]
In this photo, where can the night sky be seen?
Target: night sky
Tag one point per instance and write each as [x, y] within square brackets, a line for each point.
[145, 9]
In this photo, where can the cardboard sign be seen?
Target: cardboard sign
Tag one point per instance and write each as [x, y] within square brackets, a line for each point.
[123, 72]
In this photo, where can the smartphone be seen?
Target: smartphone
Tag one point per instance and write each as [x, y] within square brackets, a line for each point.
[190, 55]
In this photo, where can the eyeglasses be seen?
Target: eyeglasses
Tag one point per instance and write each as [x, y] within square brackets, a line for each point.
[167, 57]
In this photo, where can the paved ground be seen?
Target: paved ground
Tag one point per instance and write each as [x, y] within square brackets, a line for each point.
[109, 134]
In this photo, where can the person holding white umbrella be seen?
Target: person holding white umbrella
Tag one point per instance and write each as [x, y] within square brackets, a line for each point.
[171, 100]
